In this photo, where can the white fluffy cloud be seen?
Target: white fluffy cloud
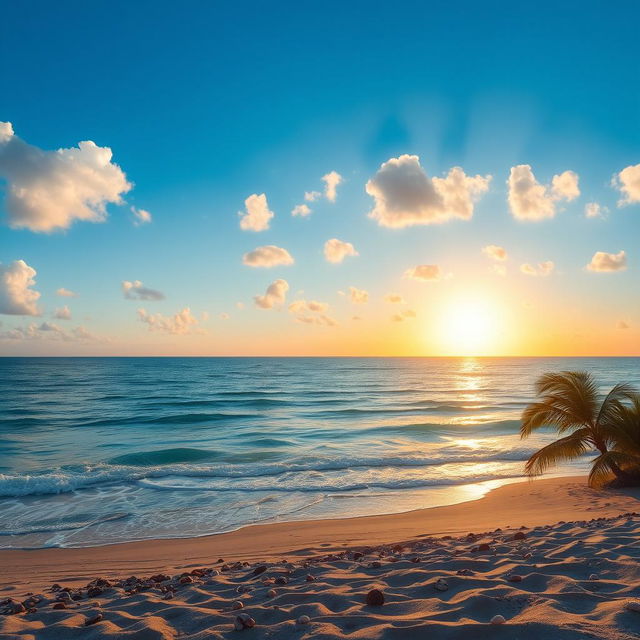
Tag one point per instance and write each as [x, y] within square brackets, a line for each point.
[331, 181]
[394, 298]
[404, 195]
[403, 315]
[137, 291]
[301, 210]
[424, 272]
[257, 215]
[66, 293]
[267, 256]
[542, 269]
[336, 250]
[141, 216]
[48, 190]
[275, 295]
[63, 313]
[312, 196]
[628, 182]
[49, 331]
[181, 323]
[608, 262]
[595, 210]
[358, 296]
[530, 200]
[311, 312]
[17, 298]
[495, 252]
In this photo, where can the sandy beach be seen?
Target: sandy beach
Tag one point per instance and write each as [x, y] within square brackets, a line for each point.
[549, 558]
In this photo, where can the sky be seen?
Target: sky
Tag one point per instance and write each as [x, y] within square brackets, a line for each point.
[357, 178]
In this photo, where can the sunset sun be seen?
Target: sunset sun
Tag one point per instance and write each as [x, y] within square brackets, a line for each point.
[469, 326]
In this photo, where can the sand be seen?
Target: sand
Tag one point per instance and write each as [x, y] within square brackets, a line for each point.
[576, 566]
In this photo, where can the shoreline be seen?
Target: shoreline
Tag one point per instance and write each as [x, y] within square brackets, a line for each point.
[529, 503]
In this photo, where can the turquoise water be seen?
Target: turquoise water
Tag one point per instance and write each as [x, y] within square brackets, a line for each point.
[101, 450]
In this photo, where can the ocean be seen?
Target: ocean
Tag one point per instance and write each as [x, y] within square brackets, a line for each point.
[106, 450]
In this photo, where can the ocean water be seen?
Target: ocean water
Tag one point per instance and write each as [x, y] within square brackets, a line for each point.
[102, 450]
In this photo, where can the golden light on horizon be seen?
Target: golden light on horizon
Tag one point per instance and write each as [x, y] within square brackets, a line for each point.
[469, 326]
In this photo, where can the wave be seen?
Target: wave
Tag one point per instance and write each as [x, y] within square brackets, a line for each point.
[65, 480]
[64, 525]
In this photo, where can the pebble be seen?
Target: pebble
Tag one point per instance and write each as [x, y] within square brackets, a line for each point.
[520, 535]
[59, 605]
[633, 605]
[310, 578]
[514, 577]
[498, 619]
[303, 620]
[375, 598]
[237, 605]
[244, 621]
[593, 576]
[441, 585]
[93, 618]
[261, 569]
[271, 593]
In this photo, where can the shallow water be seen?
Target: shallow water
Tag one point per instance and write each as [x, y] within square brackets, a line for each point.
[100, 450]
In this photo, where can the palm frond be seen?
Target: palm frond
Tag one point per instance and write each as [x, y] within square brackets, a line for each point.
[567, 448]
[604, 466]
[610, 407]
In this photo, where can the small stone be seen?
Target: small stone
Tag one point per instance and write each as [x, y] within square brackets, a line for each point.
[310, 578]
[514, 577]
[59, 605]
[465, 572]
[244, 621]
[17, 607]
[261, 569]
[519, 535]
[498, 619]
[93, 619]
[375, 598]
[358, 556]
[415, 560]
[271, 593]
[94, 592]
[376, 564]
[186, 580]
[483, 547]
[168, 595]
[281, 580]
[303, 620]
[633, 605]
[236, 605]
[441, 585]
[593, 576]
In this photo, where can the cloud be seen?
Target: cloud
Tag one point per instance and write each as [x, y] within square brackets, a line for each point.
[257, 215]
[137, 291]
[394, 298]
[181, 323]
[358, 296]
[424, 272]
[628, 183]
[404, 195]
[336, 250]
[607, 262]
[17, 298]
[141, 216]
[301, 210]
[331, 181]
[275, 295]
[267, 256]
[66, 293]
[495, 252]
[49, 331]
[623, 325]
[594, 210]
[63, 313]
[403, 315]
[311, 312]
[542, 269]
[499, 270]
[312, 196]
[530, 200]
[312, 305]
[48, 190]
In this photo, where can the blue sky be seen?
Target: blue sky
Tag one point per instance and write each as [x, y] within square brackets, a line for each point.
[204, 105]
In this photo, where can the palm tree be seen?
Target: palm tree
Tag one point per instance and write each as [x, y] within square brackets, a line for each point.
[570, 402]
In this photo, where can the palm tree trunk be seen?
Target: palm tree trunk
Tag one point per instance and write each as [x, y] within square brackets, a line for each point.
[621, 476]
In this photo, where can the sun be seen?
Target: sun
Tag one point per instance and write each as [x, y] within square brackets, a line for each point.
[469, 326]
